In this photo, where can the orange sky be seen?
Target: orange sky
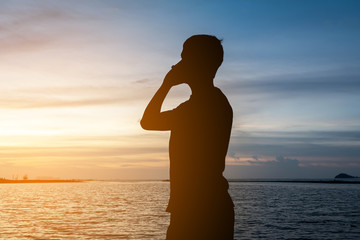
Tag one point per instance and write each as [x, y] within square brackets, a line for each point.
[76, 77]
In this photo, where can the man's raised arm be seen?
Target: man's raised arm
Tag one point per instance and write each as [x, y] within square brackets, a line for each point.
[153, 118]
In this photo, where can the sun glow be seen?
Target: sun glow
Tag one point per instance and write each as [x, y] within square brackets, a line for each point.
[75, 79]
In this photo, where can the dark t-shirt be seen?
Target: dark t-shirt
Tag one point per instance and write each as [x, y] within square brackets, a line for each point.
[200, 133]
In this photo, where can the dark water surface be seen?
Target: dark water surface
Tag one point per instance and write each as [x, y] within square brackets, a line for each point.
[296, 210]
[136, 210]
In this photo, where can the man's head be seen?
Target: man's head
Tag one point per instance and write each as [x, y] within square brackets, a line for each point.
[202, 55]
[203, 49]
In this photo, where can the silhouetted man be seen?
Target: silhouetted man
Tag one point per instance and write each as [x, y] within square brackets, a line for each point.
[200, 205]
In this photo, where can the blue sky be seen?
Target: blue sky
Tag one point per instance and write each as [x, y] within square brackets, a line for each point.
[77, 75]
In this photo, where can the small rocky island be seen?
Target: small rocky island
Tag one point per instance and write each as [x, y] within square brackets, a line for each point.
[344, 175]
[346, 178]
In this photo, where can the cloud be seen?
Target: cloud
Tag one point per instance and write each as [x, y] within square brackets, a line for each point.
[276, 172]
[76, 96]
[87, 95]
[288, 167]
[280, 167]
[85, 161]
[68, 152]
[95, 158]
[27, 103]
[312, 148]
[32, 27]
[145, 81]
[18, 34]
[298, 150]
[290, 137]
[280, 161]
[331, 81]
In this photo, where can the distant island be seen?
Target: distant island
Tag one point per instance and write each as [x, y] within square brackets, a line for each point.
[344, 175]
[3, 180]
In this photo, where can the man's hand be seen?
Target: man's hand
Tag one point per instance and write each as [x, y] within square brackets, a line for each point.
[173, 77]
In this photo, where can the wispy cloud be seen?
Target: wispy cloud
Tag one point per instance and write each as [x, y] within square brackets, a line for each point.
[279, 161]
[95, 155]
[297, 149]
[25, 103]
[34, 27]
[315, 83]
[75, 96]
[286, 137]
[329, 148]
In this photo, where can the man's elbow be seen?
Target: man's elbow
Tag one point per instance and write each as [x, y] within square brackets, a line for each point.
[145, 124]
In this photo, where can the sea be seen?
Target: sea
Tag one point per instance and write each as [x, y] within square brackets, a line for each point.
[136, 210]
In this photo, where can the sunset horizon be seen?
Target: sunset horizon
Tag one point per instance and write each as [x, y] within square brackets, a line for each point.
[76, 77]
[192, 119]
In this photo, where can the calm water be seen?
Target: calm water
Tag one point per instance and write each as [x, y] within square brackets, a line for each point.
[136, 210]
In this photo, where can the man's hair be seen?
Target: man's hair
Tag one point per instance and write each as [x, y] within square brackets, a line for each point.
[204, 48]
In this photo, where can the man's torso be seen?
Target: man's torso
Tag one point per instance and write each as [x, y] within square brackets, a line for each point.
[199, 140]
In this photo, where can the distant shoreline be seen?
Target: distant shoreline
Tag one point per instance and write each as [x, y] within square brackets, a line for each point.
[326, 181]
[40, 181]
[291, 181]
[297, 181]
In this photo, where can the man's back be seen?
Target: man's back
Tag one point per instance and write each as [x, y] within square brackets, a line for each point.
[200, 133]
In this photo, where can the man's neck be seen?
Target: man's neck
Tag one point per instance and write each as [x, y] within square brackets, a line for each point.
[201, 89]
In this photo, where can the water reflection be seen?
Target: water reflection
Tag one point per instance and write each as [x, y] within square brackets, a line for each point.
[94, 210]
[136, 210]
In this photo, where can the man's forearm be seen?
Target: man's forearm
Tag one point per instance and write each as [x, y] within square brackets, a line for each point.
[153, 109]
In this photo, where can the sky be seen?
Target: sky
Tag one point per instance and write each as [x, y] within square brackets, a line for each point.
[76, 76]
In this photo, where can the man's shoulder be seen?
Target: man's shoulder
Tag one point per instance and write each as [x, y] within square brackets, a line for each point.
[214, 100]
[222, 100]
[182, 106]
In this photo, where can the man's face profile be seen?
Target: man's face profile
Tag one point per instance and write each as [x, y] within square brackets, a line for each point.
[200, 58]
[186, 70]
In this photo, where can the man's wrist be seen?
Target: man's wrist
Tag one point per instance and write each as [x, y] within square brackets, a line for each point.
[165, 86]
